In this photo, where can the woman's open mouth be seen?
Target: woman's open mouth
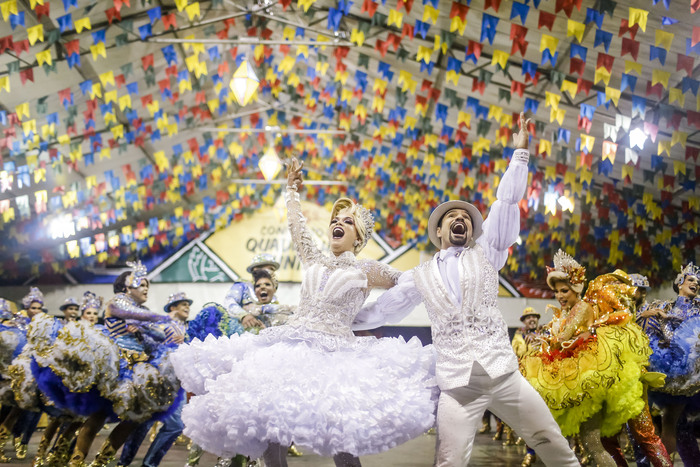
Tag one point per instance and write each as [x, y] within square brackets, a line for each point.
[264, 295]
[338, 232]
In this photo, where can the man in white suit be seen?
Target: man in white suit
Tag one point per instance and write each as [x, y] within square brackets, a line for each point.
[476, 367]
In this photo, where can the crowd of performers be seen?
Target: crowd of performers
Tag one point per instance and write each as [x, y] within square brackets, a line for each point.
[251, 379]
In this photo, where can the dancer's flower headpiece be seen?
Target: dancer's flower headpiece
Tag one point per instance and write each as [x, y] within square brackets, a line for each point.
[362, 214]
[566, 269]
[90, 300]
[138, 274]
[5, 309]
[34, 295]
[689, 270]
[639, 280]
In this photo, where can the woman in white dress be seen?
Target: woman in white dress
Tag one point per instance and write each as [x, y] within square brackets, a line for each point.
[311, 381]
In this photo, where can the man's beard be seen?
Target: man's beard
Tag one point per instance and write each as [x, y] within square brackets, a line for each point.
[458, 241]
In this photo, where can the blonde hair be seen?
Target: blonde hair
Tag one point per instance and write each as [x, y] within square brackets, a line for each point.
[364, 222]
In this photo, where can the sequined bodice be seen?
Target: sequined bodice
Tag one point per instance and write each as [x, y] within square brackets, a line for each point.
[331, 297]
[685, 308]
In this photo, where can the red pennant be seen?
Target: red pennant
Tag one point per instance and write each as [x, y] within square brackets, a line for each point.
[630, 46]
[112, 14]
[474, 48]
[406, 4]
[426, 85]
[478, 86]
[21, 46]
[695, 37]
[652, 130]
[408, 30]
[694, 120]
[517, 88]
[285, 4]
[567, 6]
[341, 52]
[42, 10]
[624, 28]
[655, 90]
[382, 47]
[495, 4]
[64, 95]
[517, 32]
[584, 86]
[519, 46]
[584, 124]
[457, 9]
[145, 100]
[605, 61]
[6, 43]
[685, 63]
[694, 7]
[170, 21]
[172, 70]
[368, 6]
[587, 160]
[546, 20]
[27, 75]
[147, 61]
[72, 47]
[434, 94]
[394, 40]
[691, 152]
[576, 65]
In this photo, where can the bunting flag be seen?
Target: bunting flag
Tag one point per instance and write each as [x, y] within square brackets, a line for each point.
[147, 146]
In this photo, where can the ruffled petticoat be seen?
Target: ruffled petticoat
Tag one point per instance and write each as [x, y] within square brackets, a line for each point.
[326, 393]
[601, 373]
[12, 341]
[83, 372]
[680, 360]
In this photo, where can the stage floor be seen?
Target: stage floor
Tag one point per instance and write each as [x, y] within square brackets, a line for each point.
[416, 453]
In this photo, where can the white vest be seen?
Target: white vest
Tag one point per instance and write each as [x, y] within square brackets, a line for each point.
[472, 331]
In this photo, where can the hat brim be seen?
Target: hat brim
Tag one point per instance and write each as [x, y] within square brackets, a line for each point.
[167, 307]
[274, 264]
[522, 318]
[63, 307]
[441, 210]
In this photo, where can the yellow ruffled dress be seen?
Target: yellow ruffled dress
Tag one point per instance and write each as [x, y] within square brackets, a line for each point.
[600, 368]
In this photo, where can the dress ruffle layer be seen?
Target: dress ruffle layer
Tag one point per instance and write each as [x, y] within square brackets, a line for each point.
[602, 373]
[366, 395]
[679, 360]
[83, 372]
[12, 341]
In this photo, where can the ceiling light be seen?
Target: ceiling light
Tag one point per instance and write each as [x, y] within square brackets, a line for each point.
[637, 138]
[244, 83]
[270, 165]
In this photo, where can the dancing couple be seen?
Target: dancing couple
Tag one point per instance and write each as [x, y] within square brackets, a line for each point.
[314, 383]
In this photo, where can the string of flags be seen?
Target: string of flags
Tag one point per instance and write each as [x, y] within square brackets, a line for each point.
[427, 111]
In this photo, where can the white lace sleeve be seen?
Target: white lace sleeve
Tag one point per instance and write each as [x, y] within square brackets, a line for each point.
[502, 225]
[301, 236]
[391, 307]
[380, 275]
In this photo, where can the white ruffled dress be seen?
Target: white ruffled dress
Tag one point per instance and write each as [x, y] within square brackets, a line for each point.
[311, 381]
